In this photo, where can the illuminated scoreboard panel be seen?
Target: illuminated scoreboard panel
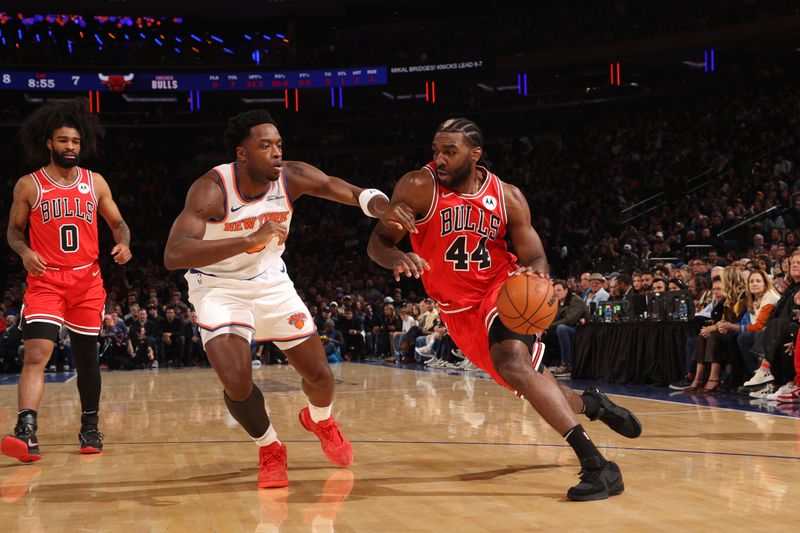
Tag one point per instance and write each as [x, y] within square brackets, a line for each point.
[15, 80]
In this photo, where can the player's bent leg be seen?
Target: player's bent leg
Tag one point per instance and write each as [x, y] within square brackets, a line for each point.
[600, 478]
[618, 418]
[229, 355]
[308, 357]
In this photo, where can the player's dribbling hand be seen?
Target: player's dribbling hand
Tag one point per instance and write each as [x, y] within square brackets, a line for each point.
[409, 263]
[121, 253]
[268, 231]
[400, 216]
[529, 271]
[34, 263]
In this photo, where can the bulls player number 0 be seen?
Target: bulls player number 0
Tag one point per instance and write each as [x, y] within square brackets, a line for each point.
[461, 259]
[69, 238]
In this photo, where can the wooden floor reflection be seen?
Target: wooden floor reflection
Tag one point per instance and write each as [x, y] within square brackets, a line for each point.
[433, 452]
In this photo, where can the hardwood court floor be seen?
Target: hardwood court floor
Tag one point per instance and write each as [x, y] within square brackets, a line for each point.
[433, 452]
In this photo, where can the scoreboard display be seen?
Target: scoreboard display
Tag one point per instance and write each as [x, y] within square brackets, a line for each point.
[130, 81]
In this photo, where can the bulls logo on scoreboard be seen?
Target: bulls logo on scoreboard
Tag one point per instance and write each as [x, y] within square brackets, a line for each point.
[116, 82]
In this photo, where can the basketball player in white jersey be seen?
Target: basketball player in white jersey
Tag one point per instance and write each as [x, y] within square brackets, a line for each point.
[230, 235]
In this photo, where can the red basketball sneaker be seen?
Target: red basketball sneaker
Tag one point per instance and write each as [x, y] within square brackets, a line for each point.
[272, 466]
[335, 446]
[23, 444]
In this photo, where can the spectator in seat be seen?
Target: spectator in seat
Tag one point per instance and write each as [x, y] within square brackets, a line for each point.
[571, 311]
[597, 293]
[172, 337]
[761, 298]
[10, 342]
[351, 327]
[770, 344]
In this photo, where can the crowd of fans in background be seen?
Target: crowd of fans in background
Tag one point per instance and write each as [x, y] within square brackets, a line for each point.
[580, 173]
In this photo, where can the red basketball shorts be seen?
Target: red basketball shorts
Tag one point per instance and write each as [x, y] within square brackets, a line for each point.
[74, 298]
[470, 331]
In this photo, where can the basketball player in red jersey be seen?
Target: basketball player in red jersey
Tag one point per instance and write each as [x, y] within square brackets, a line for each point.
[230, 235]
[60, 203]
[461, 213]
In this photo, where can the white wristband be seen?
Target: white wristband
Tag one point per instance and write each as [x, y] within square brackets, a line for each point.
[365, 196]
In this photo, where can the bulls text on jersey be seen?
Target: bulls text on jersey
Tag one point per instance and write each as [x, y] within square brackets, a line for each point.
[56, 208]
[459, 218]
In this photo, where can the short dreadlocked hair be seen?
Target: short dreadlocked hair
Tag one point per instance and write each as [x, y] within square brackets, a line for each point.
[472, 134]
[239, 127]
[40, 125]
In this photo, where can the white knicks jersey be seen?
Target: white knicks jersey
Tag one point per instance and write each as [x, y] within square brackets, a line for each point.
[243, 216]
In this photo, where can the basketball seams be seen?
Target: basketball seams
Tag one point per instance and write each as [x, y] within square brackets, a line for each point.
[523, 318]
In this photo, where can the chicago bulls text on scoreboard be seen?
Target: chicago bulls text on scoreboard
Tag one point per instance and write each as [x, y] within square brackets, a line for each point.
[123, 80]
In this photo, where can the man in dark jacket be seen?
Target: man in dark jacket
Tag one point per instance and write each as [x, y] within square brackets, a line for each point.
[571, 310]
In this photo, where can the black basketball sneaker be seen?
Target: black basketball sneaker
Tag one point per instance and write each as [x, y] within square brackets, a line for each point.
[90, 437]
[617, 418]
[23, 444]
[597, 483]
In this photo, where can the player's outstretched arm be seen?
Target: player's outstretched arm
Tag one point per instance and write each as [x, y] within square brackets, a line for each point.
[110, 212]
[411, 196]
[24, 198]
[527, 244]
[302, 178]
[185, 245]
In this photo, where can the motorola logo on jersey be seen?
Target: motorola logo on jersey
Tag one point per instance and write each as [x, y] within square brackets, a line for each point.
[83, 188]
[489, 202]
[465, 217]
[57, 208]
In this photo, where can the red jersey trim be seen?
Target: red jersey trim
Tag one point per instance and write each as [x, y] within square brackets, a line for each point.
[90, 180]
[63, 187]
[502, 199]
[224, 198]
[434, 201]
[38, 192]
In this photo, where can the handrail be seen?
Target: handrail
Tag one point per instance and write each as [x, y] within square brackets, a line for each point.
[634, 217]
[747, 221]
[656, 195]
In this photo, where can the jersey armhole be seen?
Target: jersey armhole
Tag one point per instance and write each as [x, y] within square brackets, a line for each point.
[90, 180]
[221, 185]
[503, 212]
[434, 200]
[38, 199]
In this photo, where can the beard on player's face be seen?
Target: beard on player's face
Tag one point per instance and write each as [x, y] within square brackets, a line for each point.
[61, 159]
[458, 175]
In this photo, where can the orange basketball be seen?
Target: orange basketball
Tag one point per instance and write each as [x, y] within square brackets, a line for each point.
[527, 305]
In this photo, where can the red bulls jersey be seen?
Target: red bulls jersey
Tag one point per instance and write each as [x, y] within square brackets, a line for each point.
[461, 237]
[63, 220]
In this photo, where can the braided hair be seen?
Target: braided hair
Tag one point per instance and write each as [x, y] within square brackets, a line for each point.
[40, 125]
[472, 134]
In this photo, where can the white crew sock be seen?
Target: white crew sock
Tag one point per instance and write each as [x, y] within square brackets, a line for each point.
[267, 438]
[318, 414]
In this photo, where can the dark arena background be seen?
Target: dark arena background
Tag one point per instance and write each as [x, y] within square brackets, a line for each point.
[656, 144]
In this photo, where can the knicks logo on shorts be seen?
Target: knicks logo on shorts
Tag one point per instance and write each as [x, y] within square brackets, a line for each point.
[298, 320]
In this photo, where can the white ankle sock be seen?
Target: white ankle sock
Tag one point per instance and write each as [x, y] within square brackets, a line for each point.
[267, 438]
[319, 414]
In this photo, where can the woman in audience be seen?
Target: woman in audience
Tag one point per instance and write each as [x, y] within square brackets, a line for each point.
[760, 297]
[712, 344]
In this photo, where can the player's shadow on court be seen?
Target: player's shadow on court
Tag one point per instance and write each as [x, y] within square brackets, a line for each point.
[169, 491]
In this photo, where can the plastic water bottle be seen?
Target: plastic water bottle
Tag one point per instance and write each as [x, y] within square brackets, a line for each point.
[683, 311]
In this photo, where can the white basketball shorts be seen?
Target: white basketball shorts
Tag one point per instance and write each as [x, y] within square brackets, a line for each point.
[265, 308]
